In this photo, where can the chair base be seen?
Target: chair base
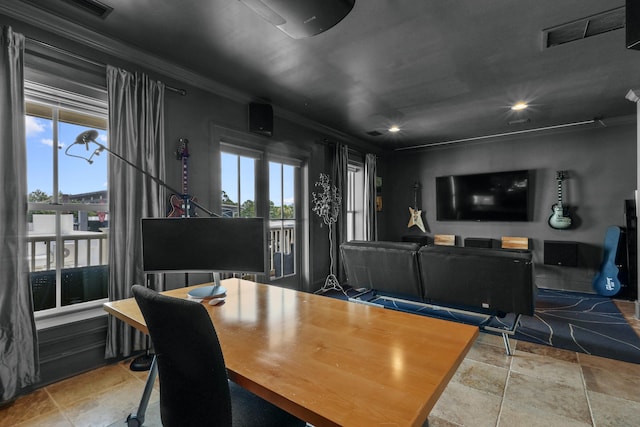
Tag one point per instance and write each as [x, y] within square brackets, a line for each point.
[141, 363]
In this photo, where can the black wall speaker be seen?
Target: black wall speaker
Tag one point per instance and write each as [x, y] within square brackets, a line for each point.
[476, 242]
[632, 24]
[561, 253]
[261, 119]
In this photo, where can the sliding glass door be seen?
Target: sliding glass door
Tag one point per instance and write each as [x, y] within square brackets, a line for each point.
[283, 222]
[251, 187]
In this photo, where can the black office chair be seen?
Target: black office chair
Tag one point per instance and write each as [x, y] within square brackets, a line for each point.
[194, 388]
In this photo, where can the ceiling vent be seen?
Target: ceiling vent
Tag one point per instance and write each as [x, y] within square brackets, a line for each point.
[586, 27]
[374, 133]
[64, 7]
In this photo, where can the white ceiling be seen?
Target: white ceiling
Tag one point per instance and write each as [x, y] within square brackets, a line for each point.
[440, 70]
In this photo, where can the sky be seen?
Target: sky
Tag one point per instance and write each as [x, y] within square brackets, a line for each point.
[77, 176]
[276, 191]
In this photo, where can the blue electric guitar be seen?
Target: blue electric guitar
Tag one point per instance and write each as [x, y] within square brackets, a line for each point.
[606, 282]
[560, 219]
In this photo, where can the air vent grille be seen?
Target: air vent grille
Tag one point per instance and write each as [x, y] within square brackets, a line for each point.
[374, 133]
[586, 27]
[63, 8]
[92, 6]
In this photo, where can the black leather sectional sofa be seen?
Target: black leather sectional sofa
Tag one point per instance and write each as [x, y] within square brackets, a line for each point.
[492, 282]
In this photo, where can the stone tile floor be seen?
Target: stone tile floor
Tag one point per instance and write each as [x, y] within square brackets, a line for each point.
[537, 386]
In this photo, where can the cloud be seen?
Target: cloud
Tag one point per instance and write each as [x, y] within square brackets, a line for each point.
[49, 142]
[33, 126]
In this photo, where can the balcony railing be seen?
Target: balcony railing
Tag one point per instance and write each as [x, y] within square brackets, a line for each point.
[81, 249]
[85, 255]
[281, 244]
[84, 269]
[85, 248]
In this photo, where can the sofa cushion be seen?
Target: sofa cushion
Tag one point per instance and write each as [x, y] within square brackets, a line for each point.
[494, 281]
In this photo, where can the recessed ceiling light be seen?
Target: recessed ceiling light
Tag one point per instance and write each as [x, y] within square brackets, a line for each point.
[519, 106]
[394, 129]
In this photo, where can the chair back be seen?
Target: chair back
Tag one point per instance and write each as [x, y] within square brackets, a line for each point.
[194, 388]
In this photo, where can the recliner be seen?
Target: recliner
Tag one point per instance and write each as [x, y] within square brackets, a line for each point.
[194, 387]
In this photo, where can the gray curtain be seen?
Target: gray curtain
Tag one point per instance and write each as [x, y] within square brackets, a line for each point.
[340, 171]
[136, 132]
[370, 214]
[19, 366]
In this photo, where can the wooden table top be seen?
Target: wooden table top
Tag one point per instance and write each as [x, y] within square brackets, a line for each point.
[329, 361]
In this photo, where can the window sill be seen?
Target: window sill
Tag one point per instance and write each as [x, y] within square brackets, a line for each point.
[61, 318]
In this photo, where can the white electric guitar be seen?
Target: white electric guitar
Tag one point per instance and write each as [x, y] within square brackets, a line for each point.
[416, 214]
[560, 219]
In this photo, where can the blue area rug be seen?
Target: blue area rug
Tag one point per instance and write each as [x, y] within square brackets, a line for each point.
[586, 323]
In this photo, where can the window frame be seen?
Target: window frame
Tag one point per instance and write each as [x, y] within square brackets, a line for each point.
[355, 200]
[40, 97]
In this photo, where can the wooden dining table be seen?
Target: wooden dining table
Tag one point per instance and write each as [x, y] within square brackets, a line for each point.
[329, 361]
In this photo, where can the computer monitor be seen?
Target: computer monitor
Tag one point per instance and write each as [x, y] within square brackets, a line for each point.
[204, 245]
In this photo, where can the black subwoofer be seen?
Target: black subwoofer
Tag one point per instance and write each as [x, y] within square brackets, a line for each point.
[561, 253]
[477, 242]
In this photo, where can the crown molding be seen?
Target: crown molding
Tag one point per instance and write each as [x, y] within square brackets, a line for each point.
[116, 48]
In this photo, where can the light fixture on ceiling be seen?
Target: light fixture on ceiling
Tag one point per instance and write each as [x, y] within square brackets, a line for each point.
[301, 18]
[519, 106]
[394, 129]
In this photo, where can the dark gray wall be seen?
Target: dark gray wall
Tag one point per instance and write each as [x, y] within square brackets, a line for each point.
[601, 162]
[204, 118]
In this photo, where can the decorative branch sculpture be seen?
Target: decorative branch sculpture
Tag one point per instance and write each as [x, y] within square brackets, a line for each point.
[326, 205]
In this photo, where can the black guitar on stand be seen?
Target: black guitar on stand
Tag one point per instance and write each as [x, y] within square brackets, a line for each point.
[560, 219]
[180, 205]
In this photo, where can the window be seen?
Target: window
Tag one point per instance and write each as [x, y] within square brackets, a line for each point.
[67, 200]
[355, 202]
[238, 185]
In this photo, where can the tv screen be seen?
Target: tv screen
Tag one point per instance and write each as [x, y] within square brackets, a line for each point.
[205, 245]
[495, 196]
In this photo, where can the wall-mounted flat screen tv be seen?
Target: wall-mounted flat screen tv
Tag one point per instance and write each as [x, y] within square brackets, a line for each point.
[494, 196]
[206, 245]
